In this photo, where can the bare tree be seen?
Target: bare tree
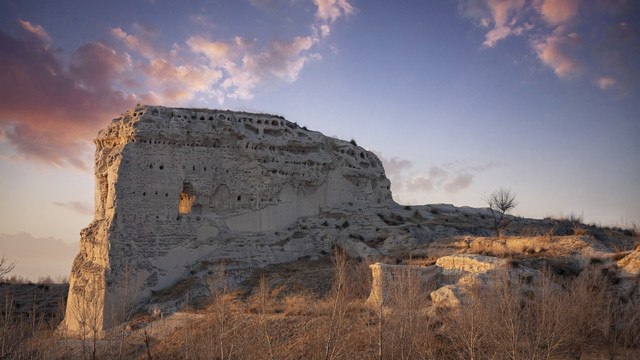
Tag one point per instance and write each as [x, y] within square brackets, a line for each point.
[5, 267]
[500, 203]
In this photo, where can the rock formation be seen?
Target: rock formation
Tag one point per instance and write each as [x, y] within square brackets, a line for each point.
[179, 190]
[449, 279]
[385, 277]
[466, 272]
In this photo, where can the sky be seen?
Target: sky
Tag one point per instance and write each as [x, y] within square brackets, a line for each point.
[457, 97]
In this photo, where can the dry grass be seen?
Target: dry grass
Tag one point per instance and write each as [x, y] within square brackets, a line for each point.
[282, 315]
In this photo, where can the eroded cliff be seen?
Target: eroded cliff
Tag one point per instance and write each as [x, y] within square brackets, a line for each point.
[179, 190]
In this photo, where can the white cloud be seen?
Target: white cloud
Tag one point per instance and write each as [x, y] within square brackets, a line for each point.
[502, 17]
[330, 10]
[496, 34]
[325, 30]
[231, 68]
[245, 67]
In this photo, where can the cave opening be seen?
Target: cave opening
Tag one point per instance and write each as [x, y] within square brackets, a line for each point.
[187, 198]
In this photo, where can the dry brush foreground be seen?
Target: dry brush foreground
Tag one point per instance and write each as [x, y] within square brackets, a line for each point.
[319, 310]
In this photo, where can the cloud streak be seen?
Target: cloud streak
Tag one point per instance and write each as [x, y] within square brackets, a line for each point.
[78, 207]
[53, 258]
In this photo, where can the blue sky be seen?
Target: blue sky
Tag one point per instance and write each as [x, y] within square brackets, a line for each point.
[458, 98]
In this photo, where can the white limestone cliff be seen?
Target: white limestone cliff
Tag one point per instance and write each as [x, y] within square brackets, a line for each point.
[179, 190]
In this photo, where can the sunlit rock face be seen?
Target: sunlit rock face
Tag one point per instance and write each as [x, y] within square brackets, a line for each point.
[178, 190]
[450, 281]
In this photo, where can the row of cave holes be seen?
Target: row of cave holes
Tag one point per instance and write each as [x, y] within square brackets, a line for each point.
[284, 149]
[259, 121]
[198, 218]
[183, 194]
[361, 154]
[215, 144]
[161, 167]
[145, 193]
[221, 117]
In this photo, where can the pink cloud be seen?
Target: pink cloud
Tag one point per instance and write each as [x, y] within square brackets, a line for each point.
[450, 178]
[52, 104]
[48, 110]
[605, 83]
[504, 11]
[144, 43]
[394, 169]
[458, 183]
[555, 51]
[36, 30]
[420, 183]
[96, 66]
[559, 11]
[217, 52]
[177, 83]
[553, 30]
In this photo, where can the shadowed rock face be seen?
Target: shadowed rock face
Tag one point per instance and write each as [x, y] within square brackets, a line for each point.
[178, 190]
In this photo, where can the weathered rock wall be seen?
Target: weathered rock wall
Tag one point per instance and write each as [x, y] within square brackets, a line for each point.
[178, 190]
